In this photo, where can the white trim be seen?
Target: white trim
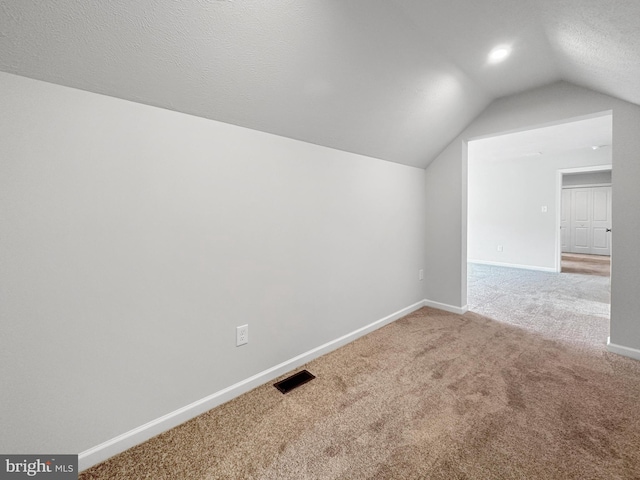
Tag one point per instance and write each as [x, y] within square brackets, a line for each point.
[592, 168]
[590, 185]
[621, 350]
[558, 240]
[514, 265]
[445, 307]
[123, 442]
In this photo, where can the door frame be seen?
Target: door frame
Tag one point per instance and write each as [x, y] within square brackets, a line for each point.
[559, 175]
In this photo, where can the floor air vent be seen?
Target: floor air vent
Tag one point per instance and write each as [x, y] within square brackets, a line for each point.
[294, 381]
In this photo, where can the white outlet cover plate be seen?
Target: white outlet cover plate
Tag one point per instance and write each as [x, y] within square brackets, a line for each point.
[242, 335]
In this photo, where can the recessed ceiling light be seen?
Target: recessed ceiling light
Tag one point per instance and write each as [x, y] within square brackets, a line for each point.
[499, 53]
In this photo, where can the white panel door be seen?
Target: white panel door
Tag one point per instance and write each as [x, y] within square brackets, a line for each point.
[601, 221]
[581, 199]
[586, 211]
[565, 219]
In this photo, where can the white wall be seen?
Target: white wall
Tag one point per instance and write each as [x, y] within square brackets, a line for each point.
[505, 205]
[446, 250]
[135, 239]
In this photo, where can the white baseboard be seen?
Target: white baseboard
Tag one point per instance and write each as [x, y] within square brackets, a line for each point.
[620, 350]
[445, 307]
[513, 265]
[123, 442]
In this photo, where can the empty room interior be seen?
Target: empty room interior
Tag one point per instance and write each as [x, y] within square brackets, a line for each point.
[430, 207]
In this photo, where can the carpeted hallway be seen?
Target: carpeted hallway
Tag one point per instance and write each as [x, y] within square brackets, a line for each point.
[521, 388]
[572, 308]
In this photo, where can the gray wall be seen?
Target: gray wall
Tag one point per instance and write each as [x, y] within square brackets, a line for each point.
[539, 107]
[134, 241]
[505, 200]
[588, 178]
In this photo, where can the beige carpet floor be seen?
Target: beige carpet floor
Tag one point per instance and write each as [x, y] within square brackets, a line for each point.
[431, 396]
[586, 264]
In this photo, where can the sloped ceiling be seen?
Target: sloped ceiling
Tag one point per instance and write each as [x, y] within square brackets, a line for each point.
[392, 79]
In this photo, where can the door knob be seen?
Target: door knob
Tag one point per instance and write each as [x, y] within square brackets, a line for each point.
[608, 229]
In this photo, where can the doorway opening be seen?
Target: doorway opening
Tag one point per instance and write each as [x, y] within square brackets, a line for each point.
[585, 220]
[514, 239]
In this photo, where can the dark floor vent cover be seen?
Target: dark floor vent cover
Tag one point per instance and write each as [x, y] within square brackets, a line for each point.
[294, 381]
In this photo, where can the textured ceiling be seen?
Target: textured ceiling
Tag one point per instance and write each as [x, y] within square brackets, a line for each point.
[392, 79]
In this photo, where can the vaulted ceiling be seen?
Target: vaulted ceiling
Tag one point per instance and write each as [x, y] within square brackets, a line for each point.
[394, 79]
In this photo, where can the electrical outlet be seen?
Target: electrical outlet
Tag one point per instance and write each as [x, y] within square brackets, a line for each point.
[499, 248]
[242, 335]
[421, 274]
